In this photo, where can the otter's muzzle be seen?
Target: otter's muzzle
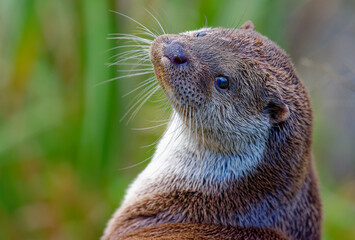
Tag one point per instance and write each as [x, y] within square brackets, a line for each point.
[174, 52]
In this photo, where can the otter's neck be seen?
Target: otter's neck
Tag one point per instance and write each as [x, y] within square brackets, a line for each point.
[179, 158]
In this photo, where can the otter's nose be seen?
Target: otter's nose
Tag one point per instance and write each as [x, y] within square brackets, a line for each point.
[175, 53]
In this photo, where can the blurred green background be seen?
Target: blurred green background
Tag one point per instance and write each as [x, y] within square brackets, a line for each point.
[62, 145]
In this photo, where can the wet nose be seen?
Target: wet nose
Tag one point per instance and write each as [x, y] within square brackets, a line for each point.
[175, 53]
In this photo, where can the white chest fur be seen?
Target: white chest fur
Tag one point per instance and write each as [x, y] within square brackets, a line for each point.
[179, 157]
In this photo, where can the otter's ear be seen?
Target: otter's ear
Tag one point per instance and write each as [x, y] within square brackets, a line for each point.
[277, 110]
[248, 25]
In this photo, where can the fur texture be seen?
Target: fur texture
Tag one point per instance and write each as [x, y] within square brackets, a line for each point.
[193, 231]
[235, 159]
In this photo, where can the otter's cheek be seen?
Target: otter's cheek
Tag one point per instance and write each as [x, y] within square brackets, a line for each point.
[160, 74]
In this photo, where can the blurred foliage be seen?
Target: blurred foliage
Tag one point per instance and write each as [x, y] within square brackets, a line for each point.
[62, 145]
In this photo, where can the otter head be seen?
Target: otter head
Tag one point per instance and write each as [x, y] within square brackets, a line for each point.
[229, 86]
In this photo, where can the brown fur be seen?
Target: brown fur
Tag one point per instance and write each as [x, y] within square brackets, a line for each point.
[179, 231]
[281, 193]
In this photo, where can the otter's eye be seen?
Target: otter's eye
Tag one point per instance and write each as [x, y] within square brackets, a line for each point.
[222, 82]
[201, 34]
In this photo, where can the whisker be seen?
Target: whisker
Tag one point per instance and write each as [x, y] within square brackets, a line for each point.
[170, 22]
[142, 103]
[158, 16]
[129, 36]
[132, 53]
[135, 55]
[150, 145]
[152, 127]
[182, 127]
[132, 75]
[135, 64]
[140, 24]
[243, 15]
[166, 107]
[129, 56]
[135, 165]
[128, 46]
[158, 121]
[133, 104]
[142, 92]
[119, 55]
[141, 57]
[159, 101]
[161, 27]
[120, 77]
[174, 117]
[148, 93]
[135, 70]
[143, 32]
[133, 38]
[144, 83]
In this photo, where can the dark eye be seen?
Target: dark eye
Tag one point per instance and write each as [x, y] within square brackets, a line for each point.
[201, 34]
[222, 82]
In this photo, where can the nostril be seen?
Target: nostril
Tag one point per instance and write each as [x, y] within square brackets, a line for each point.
[175, 53]
[179, 59]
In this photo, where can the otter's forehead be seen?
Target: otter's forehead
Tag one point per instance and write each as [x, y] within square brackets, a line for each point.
[192, 33]
[222, 34]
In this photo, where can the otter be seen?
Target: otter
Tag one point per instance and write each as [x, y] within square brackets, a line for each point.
[235, 161]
